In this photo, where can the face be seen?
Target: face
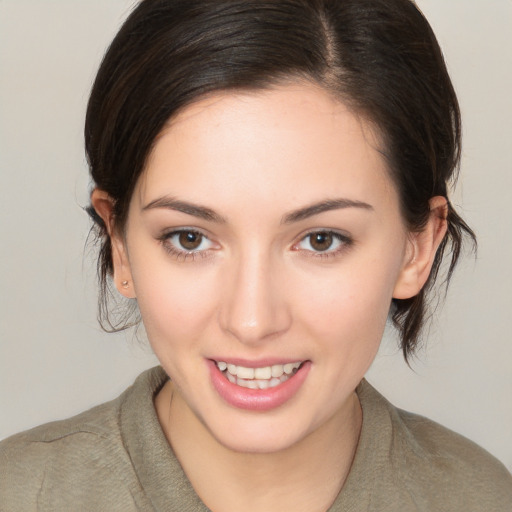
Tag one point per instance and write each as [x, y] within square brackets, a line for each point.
[265, 243]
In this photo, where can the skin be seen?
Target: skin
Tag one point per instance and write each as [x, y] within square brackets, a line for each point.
[258, 288]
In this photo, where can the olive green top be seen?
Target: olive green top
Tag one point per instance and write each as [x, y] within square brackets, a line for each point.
[115, 457]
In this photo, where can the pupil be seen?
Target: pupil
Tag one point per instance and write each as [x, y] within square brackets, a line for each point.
[190, 240]
[321, 241]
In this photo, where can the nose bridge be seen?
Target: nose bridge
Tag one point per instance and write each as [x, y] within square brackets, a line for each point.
[253, 306]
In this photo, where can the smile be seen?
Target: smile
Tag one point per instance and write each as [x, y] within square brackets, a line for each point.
[258, 378]
[258, 388]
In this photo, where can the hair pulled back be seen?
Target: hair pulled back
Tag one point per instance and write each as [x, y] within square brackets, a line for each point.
[380, 57]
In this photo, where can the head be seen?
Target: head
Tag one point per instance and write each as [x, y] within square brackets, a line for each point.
[201, 115]
[379, 58]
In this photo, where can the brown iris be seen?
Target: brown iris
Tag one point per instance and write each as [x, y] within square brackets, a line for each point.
[321, 241]
[190, 240]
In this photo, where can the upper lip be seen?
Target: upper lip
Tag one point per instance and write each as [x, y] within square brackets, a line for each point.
[258, 363]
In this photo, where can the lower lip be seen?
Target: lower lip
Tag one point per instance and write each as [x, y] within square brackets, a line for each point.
[257, 399]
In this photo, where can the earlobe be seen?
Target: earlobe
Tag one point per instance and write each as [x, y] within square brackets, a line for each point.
[103, 204]
[421, 251]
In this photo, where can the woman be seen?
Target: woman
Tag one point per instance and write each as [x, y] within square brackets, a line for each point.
[270, 185]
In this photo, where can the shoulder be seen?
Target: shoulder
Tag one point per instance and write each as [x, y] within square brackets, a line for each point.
[440, 468]
[77, 460]
[453, 463]
[87, 430]
[64, 454]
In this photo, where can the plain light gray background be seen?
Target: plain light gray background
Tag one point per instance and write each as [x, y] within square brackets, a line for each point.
[54, 359]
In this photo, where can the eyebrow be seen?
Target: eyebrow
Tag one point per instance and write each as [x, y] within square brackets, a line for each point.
[210, 215]
[195, 210]
[323, 206]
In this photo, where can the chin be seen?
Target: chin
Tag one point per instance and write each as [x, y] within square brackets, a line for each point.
[263, 439]
[259, 432]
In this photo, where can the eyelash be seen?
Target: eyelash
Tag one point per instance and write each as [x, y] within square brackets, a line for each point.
[344, 240]
[180, 254]
[184, 255]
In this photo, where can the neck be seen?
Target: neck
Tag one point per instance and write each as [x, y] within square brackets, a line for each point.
[304, 477]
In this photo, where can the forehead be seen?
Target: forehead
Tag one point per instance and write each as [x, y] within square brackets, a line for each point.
[295, 139]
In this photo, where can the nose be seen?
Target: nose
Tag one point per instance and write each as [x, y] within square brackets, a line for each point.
[254, 306]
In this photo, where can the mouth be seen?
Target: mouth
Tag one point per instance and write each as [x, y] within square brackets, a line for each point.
[263, 377]
[258, 388]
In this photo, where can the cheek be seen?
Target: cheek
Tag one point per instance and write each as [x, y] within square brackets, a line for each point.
[175, 303]
[350, 304]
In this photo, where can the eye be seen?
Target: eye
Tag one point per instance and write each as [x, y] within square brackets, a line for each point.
[324, 242]
[186, 242]
[189, 240]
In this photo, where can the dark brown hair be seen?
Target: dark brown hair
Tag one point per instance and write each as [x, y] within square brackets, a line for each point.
[380, 57]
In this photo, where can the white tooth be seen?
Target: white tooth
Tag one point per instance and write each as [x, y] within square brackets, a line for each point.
[288, 368]
[231, 378]
[232, 369]
[262, 384]
[221, 365]
[245, 373]
[241, 382]
[296, 365]
[277, 370]
[251, 384]
[274, 382]
[263, 373]
[284, 377]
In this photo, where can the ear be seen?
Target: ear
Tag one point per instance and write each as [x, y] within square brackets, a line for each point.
[104, 206]
[421, 250]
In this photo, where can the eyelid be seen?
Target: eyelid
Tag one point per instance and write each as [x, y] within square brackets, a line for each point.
[345, 240]
[183, 254]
